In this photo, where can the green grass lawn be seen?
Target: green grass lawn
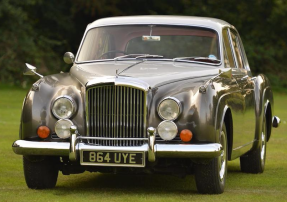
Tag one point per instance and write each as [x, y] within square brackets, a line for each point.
[269, 186]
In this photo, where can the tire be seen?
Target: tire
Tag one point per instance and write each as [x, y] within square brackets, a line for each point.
[210, 177]
[41, 173]
[254, 162]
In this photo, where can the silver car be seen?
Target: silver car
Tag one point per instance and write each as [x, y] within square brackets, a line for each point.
[149, 94]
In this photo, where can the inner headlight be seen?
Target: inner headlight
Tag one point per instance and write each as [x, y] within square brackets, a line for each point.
[167, 130]
[62, 128]
[169, 108]
[63, 107]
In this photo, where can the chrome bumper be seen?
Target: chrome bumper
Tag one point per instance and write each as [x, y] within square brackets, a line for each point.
[75, 147]
[24, 147]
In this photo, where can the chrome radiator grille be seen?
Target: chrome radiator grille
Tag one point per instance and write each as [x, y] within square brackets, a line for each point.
[116, 112]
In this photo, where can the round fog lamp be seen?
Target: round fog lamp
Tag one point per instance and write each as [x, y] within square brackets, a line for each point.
[62, 128]
[167, 130]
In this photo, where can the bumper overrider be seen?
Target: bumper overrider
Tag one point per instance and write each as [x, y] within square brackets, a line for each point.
[74, 149]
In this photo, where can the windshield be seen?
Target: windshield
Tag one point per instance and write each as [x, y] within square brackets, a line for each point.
[150, 41]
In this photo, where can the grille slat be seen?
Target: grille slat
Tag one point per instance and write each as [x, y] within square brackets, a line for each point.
[116, 112]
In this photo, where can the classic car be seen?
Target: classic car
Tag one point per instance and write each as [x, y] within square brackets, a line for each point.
[149, 94]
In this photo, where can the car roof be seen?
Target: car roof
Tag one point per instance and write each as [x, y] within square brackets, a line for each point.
[213, 23]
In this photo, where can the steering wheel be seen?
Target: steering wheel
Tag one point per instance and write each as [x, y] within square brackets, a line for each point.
[113, 51]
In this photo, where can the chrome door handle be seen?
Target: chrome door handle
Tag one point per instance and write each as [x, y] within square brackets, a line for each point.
[244, 78]
[253, 78]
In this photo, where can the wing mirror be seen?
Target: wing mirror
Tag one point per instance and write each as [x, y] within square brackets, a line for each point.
[69, 58]
[31, 70]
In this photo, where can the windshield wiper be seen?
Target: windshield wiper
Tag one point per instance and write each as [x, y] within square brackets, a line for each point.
[200, 59]
[130, 67]
[138, 56]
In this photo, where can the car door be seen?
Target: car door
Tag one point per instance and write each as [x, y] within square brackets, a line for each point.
[243, 141]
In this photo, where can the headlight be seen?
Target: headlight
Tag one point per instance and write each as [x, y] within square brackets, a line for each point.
[63, 107]
[167, 130]
[62, 128]
[169, 108]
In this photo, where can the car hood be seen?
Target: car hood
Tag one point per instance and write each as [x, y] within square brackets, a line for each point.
[152, 73]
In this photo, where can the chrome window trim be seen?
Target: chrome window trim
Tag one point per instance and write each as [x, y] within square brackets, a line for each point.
[150, 59]
[178, 104]
[165, 24]
[232, 48]
[243, 54]
[73, 104]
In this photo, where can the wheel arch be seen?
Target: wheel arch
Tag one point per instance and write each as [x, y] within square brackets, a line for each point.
[268, 115]
[229, 129]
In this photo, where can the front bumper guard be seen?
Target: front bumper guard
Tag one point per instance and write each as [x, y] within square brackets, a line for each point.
[75, 146]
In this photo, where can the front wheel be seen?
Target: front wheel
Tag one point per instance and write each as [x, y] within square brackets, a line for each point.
[41, 173]
[210, 177]
[254, 162]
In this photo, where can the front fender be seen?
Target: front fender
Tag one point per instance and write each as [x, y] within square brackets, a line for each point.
[263, 99]
[36, 109]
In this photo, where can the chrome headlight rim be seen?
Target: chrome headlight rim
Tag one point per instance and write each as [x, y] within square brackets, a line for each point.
[58, 122]
[74, 106]
[171, 122]
[178, 104]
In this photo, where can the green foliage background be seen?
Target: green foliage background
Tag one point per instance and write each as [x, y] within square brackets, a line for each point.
[39, 32]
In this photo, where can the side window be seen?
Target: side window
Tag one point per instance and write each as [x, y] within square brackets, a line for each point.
[228, 58]
[237, 51]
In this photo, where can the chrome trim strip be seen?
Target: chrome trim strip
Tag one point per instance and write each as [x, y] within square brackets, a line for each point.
[120, 81]
[108, 138]
[211, 150]
[150, 59]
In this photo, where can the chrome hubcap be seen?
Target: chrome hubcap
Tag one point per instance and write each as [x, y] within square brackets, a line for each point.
[222, 157]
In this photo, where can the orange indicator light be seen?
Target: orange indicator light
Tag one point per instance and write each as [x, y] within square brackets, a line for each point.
[186, 135]
[43, 132]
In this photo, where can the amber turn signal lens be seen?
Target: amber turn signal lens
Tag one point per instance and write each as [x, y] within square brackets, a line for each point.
[43, 132]
[185, 135]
